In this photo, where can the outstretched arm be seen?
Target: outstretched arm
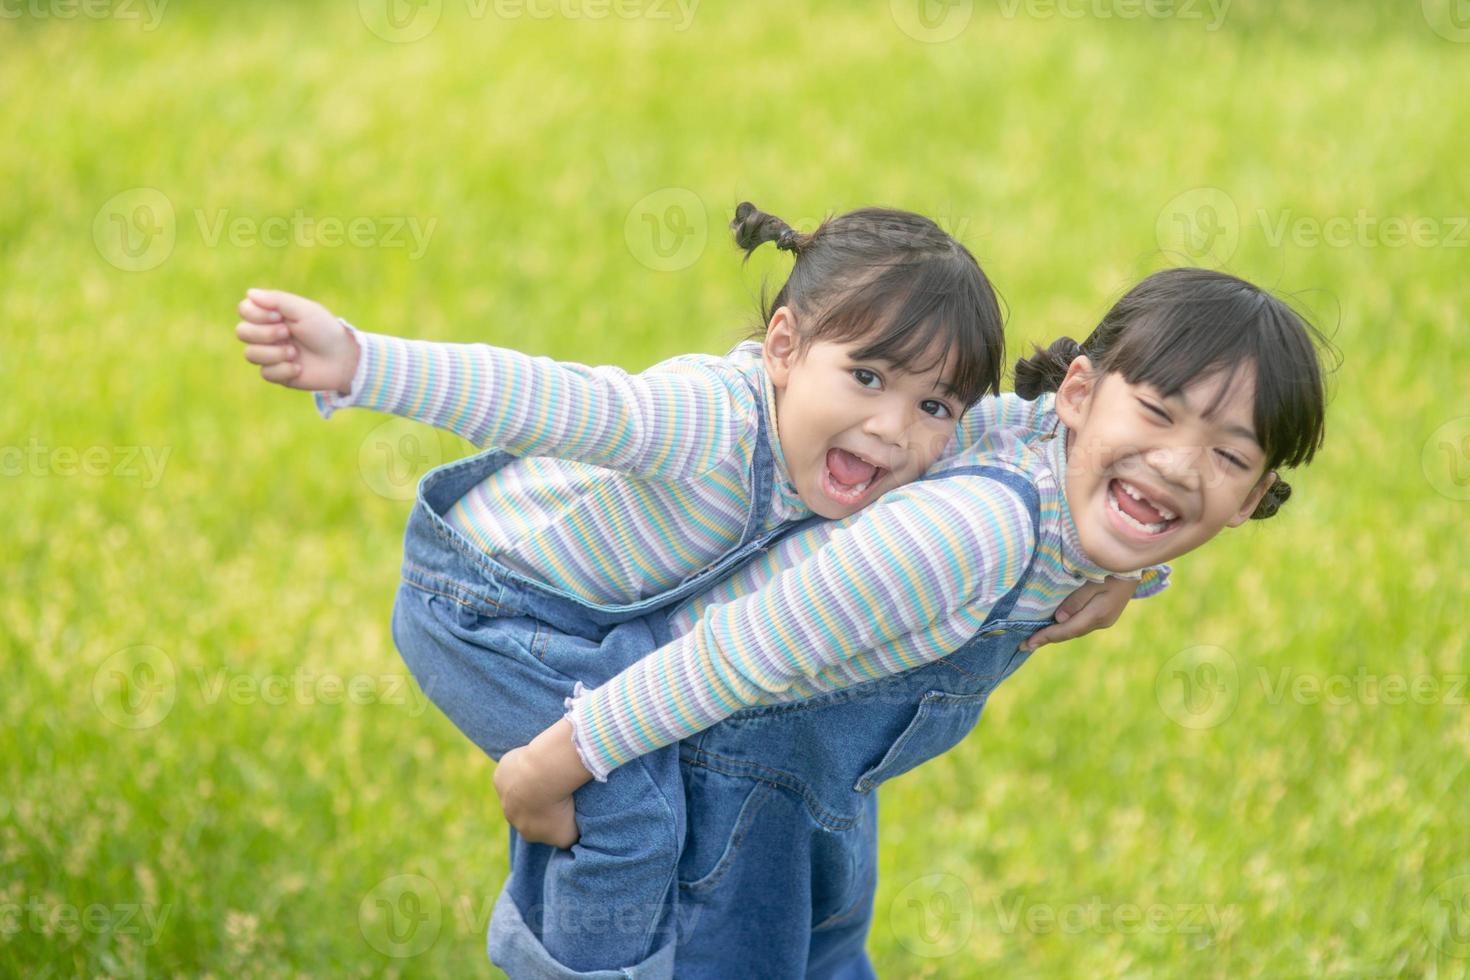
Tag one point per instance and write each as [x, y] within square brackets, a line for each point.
[678, 419]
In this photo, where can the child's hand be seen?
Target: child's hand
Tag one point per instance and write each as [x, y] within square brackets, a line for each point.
[297, 343]
[535, 784]
[1095, 606]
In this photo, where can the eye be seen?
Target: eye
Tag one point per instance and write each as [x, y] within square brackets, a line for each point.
[1233, 460]
[866, 378]
[1155, 410]
[936, 408]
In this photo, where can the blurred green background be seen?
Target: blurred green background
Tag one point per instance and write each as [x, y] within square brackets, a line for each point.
[213, 761]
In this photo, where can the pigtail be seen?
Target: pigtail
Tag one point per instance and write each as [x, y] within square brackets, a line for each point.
[1277, 494]
[754, 227]
[1044, 370]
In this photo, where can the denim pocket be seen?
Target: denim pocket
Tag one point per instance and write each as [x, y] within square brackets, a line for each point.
[942, 721]
[714, 838]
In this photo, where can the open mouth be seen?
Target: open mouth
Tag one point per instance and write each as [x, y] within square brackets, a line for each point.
[1137, 512]
[848, 479]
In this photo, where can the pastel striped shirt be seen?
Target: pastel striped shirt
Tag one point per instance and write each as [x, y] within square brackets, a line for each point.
[628, 483]
[901, 583]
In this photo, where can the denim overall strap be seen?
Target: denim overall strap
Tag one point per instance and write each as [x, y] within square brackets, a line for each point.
[438, 558]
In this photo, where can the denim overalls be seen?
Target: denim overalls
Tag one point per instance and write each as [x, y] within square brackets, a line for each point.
[499, 654]
[779, 868]
[779, 853]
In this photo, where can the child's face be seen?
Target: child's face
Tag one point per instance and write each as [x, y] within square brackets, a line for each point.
[1196, 475]
[853, 430]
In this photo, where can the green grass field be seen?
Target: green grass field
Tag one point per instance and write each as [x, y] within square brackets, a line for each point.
[213, 763]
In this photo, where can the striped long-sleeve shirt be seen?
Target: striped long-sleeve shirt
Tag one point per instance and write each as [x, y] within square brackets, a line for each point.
[901, 583]
[628, 483]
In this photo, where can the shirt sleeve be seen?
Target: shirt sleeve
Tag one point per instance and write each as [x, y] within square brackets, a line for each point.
[1009, 410]
[678, 419]
[908, 579]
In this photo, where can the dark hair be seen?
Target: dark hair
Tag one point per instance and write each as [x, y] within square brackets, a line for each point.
[894, 278]
[1180, 325]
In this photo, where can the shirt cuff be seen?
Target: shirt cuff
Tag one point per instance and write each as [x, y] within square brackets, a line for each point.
[1155, 579]
[328, 402]
[576, 705]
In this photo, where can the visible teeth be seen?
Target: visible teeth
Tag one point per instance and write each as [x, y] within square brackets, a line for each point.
[1164, 512]
[1135, 522]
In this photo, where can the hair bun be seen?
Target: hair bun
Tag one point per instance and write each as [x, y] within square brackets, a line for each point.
[754, 227]
[1277, 494]
[1044, 370]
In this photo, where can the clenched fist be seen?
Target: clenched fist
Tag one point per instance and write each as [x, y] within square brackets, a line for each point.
[297, 342]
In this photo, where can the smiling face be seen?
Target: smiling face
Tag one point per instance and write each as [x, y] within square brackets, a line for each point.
[1150, 477]
[852, 430]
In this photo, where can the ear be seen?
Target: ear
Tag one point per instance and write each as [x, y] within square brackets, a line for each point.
[779, 349]
[1253, 499]
[1074, 394]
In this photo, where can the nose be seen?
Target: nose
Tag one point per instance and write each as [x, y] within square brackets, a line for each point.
[889, 423]
[1179, 464]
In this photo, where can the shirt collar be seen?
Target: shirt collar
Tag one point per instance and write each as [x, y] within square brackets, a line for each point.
[785, 501]
[1054, 460]
[784, 495]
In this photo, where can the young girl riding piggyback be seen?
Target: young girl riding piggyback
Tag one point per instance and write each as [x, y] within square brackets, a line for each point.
[608, 496]
[830, 665]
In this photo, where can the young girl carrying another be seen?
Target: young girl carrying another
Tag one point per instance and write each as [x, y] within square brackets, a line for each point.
[858, 649]
[611, 495]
